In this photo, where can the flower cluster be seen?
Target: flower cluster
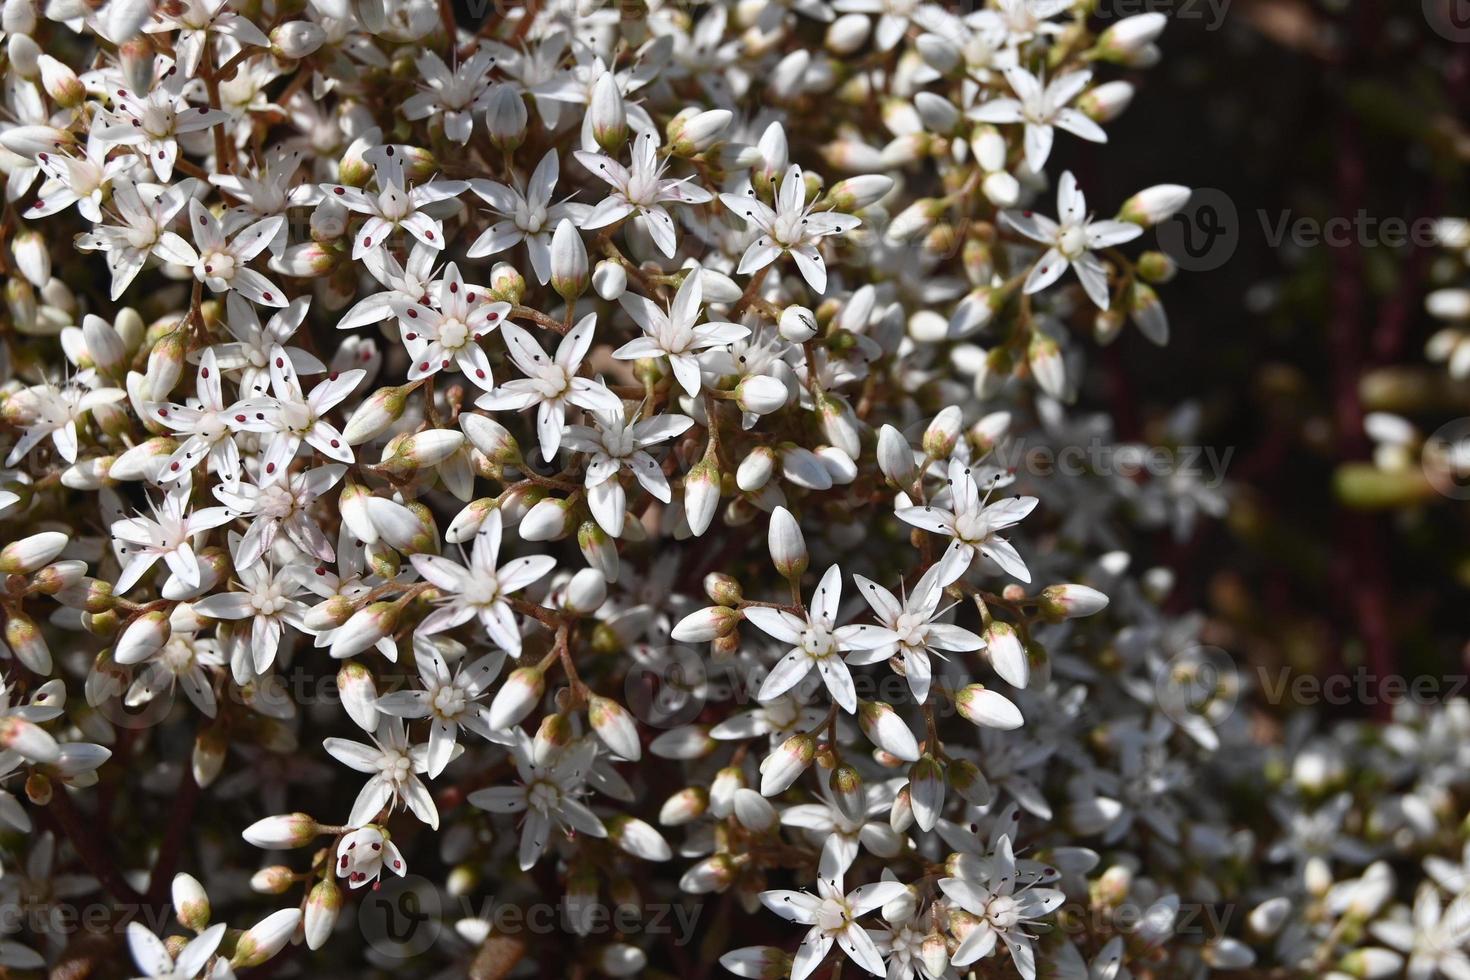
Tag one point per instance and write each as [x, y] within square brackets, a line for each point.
[612, 413]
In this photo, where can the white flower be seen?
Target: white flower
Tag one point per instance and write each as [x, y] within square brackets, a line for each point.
[833, 916]
[548, 795]
[483, 588]
[1005, 911]
[1042, 107]
[973, 523]
[54, 411]
[395, 205]
[1072, 242]
[551, 384]
[152, 123]
[793, 227]
[674, 334]
[450, 334]
[210, 426]
[146, 212]
[641, 190]
[449, 700]
[817, 642]
[364, 853]
[221, 264]
[153, 959]
[84, 181]
[615, 445]
[455, 94]
[280, 500]
[169, 534]
[269, 599]
[394, 766]
[529, 216]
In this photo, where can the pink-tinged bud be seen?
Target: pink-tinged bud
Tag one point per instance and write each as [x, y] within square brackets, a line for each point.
[1059, 602]
[282, 832]
[1154, 204]
[569, 274]
[901, 814]
[638, 838]
[306, 260]
[943, 432]
[549, 520]
[916, 220]
[885, 729]
[615, 726]
[926, 791]
[759, 962]
[467, 522]
[1106, 102]
[722, 791]
[1044, 358]
[516, 698]
[586, 592]
[786, 762]
[105, 346]
[846, 784]
[144, 637]
[706, 624]
[59, 576]
[323, 905]
[713, 874]
[166, 364]
[376, 413]
[685, 742]
[1130, 36]
[61, 83]
[856, 193]
[27, 643]
[683, 807]
[191, 904]
[490, 438]
[982, 706]
[271, 880]
[359, 695]
[266, 938]
[722, 589]
[352, 506]
[606, 114]
[31, 553]
[27, 141]
[1006, 654]
[756, 469]
[505, 116]
[145, 461]
[701, 495]
[934, 954]
[296, 39]
[694, 131]
[366, 627]
[329, 614]
[506, 283]
[788, 547]
[28, 740]
[896, 457]
[553, 735]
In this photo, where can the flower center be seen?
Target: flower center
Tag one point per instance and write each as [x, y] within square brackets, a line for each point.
[1072, 241]
[453, 334]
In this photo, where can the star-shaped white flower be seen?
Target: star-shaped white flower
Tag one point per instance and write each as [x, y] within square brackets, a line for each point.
[792, 227]
[1072, 242]
[449, 333]
[169, 535]
[529, 214]
[551, 384]
[973, 523]
[448, 699]
[833, 917]
[674, 334]
[1042, 108]
[151, 956]
[548, 794]
[222, 264]
[395, 205]
[363, 854]
[394, 766]
[641, 189]
[817, 641]
[616, 445]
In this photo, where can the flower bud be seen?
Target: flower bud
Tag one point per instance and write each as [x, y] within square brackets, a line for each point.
[1106, 102]
[614, 725]
[701, 495]
[281, 832]
[208, 757]
[568, 261]
[1059, 602]
[761, 394]
[548, 520]
[191, 904]
[359, 695]
[683, 807]
[1154, 204]
[490, 438]
[756, 469]
[885, 729]
[694, 131]
[846, 785]
[296, 39]
[1006, 654]
[606, 114]
[713, 874]
[31, 553]
[754, 811]
[166, 363]
[609, 279]
[144, 637]
[856, 193]
[598, 549]
[705, 625]
[505, 116]
[272, 880]
[981, 706]
[787, 546]
[266, 938]
[638, 838]
[967, 780]
[785, 763]
[943, 432]
[797, 324]
[364, 629]
[896, 456]
[376, 414]
[520, 693]
[323, 905]
[1129, 36]
[926, 791]
[1044, 358]
[586, 592]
